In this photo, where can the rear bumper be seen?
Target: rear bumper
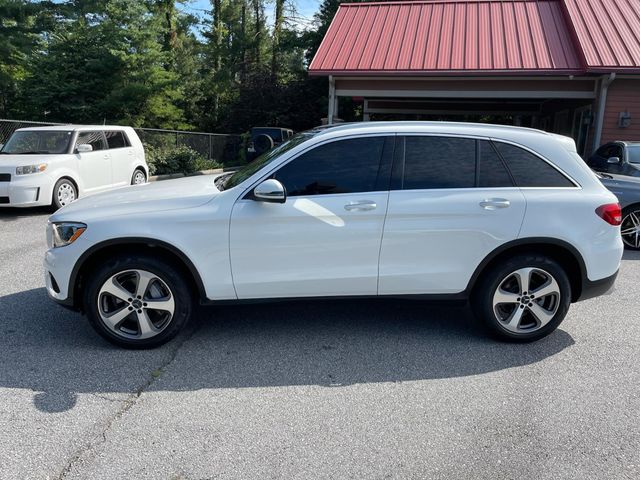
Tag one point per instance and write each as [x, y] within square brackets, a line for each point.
[595, 288]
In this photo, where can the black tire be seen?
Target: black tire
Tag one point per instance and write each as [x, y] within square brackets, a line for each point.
[629, 240]
[168, 273]
[263, 143]
[137, 172]
[482, 300]
[56, 201]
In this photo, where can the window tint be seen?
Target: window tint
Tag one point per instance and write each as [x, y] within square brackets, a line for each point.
[344, 166]
[491, 170]
[529, 170]
[439, 162]
[95, 139]
[604, 151]
[117, 139]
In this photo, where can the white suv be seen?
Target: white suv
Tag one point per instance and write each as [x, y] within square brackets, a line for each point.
[56, 165]
[509, 218]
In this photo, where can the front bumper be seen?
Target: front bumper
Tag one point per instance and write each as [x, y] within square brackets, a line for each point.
[26, 191]
[58, 271]
[595, 288]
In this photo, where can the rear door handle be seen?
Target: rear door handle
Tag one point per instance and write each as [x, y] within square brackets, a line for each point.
[494, 203]
[360, 206]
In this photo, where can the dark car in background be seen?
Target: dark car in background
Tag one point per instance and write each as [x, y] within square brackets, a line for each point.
[627, 189]
[264, 139]
[621, 158]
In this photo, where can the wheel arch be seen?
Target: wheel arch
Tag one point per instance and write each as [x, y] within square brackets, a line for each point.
[131, 245]
[562, 252]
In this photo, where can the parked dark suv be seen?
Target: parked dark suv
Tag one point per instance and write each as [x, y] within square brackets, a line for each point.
[622, 158]
[264, 139]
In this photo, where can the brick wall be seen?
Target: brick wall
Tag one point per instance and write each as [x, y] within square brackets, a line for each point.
[624, 94]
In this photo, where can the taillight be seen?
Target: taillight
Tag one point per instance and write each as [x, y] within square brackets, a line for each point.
[610, 213]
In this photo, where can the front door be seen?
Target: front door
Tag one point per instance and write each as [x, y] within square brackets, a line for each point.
[94, 166]
[452, 202]
[325, 239]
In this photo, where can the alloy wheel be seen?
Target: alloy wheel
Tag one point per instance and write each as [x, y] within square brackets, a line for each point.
[630, 229]
[139, 178]
[526, 300]
[136, 304]
[66, 194]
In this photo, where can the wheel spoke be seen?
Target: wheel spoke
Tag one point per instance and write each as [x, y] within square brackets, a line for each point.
[502, 296]
[167, 305]
[549, 288]
[542, 315]
[144, 279]
[112, 288]
[114, 319]
[523, 275]
[629, 231]
[513, 322]
[146, 327]
[634, 219]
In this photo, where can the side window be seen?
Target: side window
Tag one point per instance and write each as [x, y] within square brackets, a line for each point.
[344, 166]
[528, 170]
[95, 139]
[117, 139]
[605, 151]
[439, 162]
[491, 170]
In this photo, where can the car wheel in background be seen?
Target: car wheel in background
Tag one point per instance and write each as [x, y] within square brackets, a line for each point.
[139, 177]
[137, 301]
[630, 228]
[524, 298]
[64, 192]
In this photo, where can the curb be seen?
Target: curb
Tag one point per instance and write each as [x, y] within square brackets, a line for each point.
[159, 178]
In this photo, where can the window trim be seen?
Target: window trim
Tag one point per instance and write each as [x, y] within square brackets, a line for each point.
[246, 194]
[124, 134]
[576, 185]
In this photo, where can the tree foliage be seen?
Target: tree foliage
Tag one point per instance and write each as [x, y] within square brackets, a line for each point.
[154, 63]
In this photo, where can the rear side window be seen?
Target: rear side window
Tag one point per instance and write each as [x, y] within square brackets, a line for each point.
[117, 139]
[528, 170]
[439, 162]
[491, 170]
[95, 139]
[344, 166]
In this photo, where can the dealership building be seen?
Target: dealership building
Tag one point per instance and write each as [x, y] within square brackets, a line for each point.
[566, 66]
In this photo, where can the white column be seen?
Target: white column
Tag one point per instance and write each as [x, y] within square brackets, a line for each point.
[365, 111]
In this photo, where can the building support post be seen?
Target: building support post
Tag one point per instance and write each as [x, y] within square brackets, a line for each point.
[602, 105]
[365, 111]
[332, 100]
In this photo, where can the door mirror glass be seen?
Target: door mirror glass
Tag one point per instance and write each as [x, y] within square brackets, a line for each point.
[270, 190]
[614, 160]
[84, 148]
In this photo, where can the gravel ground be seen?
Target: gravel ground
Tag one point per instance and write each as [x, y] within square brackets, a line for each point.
[349, 389]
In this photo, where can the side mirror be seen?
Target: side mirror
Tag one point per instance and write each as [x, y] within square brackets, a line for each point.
[614, 160]
[84, 148]
[271, 191]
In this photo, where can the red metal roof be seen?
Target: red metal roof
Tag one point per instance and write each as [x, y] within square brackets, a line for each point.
[435, 37]
[608, 32]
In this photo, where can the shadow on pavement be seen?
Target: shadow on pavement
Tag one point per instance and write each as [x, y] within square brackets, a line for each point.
[631, 254]
[55, 354]
[10, 214]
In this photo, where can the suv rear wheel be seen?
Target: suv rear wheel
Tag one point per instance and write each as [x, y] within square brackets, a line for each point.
[137, 301]
[524, 298]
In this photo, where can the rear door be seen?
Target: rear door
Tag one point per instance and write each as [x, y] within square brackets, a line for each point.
[122, 156]
[452, 202]
[94, 166]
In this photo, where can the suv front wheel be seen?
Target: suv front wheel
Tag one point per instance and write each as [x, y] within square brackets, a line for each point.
[524, 298]
[137, 301]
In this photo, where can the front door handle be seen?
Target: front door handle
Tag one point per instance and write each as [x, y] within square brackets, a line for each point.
[360, 206]
[494, 203]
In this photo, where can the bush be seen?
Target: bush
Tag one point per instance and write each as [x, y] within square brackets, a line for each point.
[180, 159]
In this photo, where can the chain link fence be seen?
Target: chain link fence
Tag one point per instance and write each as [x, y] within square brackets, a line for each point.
[222, 148]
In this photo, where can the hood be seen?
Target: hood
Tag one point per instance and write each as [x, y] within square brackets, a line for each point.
[620, 180]
[164, 195]
[10, 162]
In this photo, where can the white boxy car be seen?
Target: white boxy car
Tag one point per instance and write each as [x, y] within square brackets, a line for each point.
[58, 164]
[511, 219]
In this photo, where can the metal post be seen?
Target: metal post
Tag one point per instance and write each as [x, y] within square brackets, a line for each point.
[602, 105]
[365, 111]
[332, 100]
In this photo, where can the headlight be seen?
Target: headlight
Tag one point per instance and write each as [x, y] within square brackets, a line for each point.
[65, 233]
[31, 169]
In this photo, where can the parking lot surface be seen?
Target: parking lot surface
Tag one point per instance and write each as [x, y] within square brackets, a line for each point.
[341, 389]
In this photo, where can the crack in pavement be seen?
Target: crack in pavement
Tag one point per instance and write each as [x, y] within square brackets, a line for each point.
[129, 402]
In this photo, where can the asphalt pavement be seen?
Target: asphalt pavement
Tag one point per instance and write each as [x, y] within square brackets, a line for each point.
[340, 389]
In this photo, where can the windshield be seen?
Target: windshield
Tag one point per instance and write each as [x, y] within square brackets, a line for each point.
[265, 159]
[634, 154]
[30, 142]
